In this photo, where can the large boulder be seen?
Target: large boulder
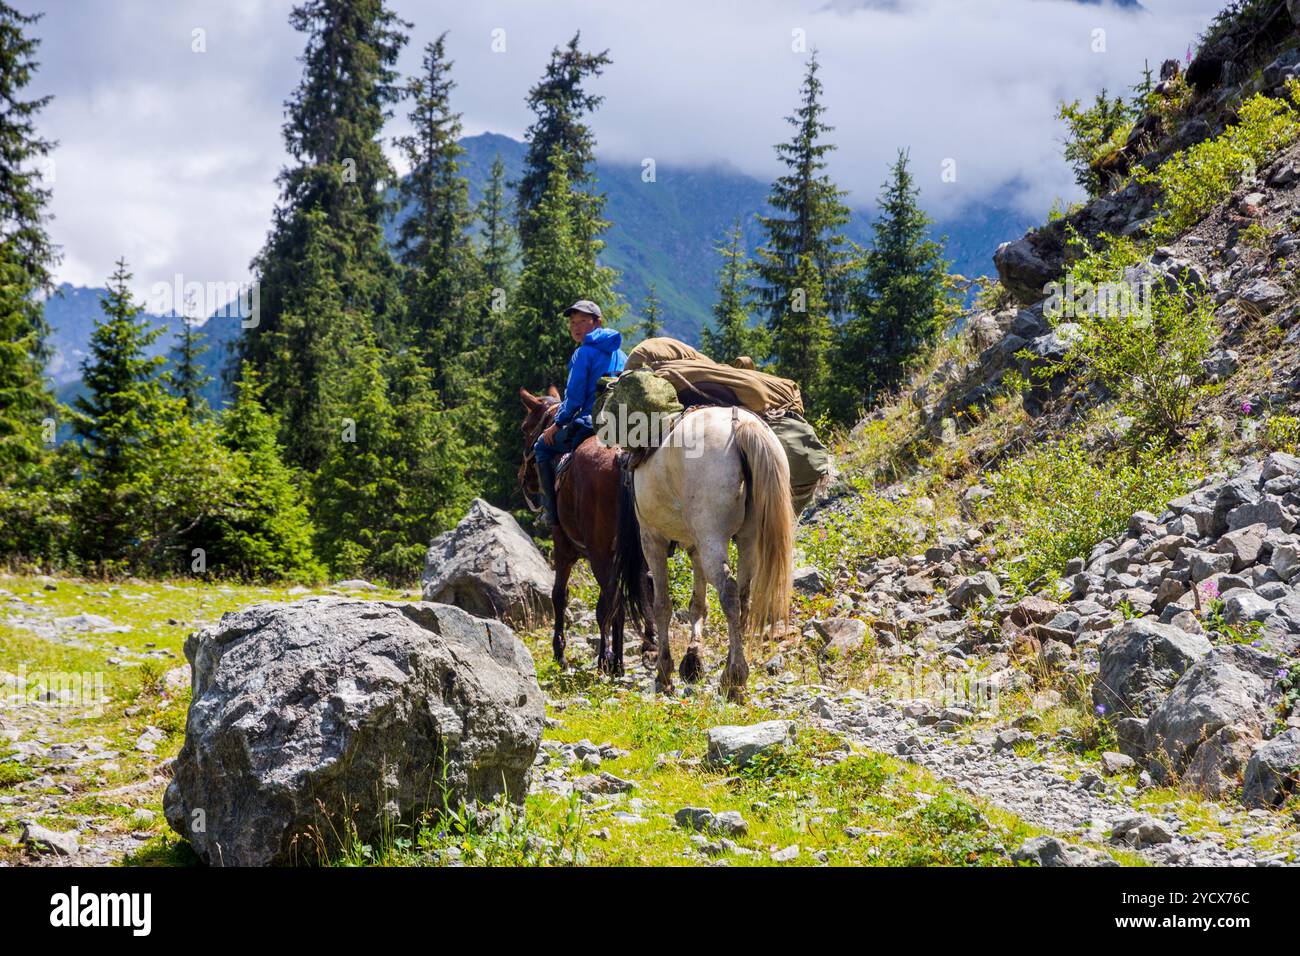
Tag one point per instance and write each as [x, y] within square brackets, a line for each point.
[330, 715]
[1231, 687]
[1140, 661]
[489, 566]
[1273, 772]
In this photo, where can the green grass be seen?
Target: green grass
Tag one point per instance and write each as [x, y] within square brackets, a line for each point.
[106, 791]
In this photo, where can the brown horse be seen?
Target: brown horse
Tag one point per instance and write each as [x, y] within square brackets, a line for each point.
[586, 502]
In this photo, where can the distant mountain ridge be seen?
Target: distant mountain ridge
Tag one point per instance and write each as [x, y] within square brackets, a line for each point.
[664, 232]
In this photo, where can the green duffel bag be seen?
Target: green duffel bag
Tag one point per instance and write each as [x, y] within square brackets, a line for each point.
[630, 411]
[810, 462]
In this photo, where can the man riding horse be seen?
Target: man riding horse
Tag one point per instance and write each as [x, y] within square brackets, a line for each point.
[597, 355]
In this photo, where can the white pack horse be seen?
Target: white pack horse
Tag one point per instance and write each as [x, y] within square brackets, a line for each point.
[719, 475]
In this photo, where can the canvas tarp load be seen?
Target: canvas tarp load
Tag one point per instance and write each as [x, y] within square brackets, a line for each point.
[698, 380]
[632, 409]
[694, 374]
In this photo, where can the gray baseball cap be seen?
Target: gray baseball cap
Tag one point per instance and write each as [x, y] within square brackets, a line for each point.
[584, 305]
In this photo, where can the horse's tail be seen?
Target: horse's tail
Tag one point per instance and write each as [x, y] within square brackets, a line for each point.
[629, 559]
[770, 510]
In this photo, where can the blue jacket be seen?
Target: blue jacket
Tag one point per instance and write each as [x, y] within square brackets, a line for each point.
[598, 355]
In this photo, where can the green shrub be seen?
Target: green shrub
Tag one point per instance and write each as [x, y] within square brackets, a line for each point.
[1095, 134]
[1193, 180]
[1145, 346]
[1059, 500]
[1282, 433]
[868, 527]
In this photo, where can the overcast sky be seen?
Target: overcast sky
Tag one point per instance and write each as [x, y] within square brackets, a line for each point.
[168, 156]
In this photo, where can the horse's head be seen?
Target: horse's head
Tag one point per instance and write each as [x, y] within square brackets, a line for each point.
[539, 411]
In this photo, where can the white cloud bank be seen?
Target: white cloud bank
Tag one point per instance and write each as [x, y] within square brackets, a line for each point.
[168, 156]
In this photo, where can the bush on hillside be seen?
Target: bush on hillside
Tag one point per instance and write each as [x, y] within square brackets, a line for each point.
[1139, 336]
[1060, 499]
[1193, 180]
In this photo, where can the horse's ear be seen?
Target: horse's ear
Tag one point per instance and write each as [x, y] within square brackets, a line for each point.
[553, 392]
[530, 400]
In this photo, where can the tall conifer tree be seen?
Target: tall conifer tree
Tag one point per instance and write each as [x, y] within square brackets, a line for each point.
[560, 103]
[442, 279]
[733, 333]
[803, 264]
[327, 230]
[902, 302]
[31, 514]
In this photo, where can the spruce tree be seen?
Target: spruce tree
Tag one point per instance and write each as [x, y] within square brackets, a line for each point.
[442, 280]
[497, 253]
[733, 333]
[188, 378]
[332, 206]
[313, 349]
[651, 323]
[149, 476]
[560, 266]
[560, 102]
[803, 239]
[33, 496]
[266, 534]
[23, 195]
[393, 475]
[902, 303]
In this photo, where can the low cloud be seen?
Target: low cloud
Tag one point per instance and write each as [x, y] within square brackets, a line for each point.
[168, 156]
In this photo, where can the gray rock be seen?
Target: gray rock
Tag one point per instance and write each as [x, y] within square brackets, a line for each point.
[1206, 564]
[489, 566]
[43, 840]
[1285, 560]
[1242, 605]
[809, 580]
[1268, 511]
[1235, 493]
[734, 746]
[1139, 829]
[1273, 771]
[1215, 770]
[1279, 464]
[1050, 851]
[843, 635]
[971, 590]
[356, 584]
[1229, 687]
[727, 823]
[1140, 661]
[1113, 763]
[1022, 270]
[312, 717]
[1244, 544]
[1261, 296]
[1131, 735]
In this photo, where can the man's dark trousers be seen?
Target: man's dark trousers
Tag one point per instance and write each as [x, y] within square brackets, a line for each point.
[567, 438]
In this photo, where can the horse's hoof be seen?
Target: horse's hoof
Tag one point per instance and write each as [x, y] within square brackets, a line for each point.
[735, 693]
[691, 666]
